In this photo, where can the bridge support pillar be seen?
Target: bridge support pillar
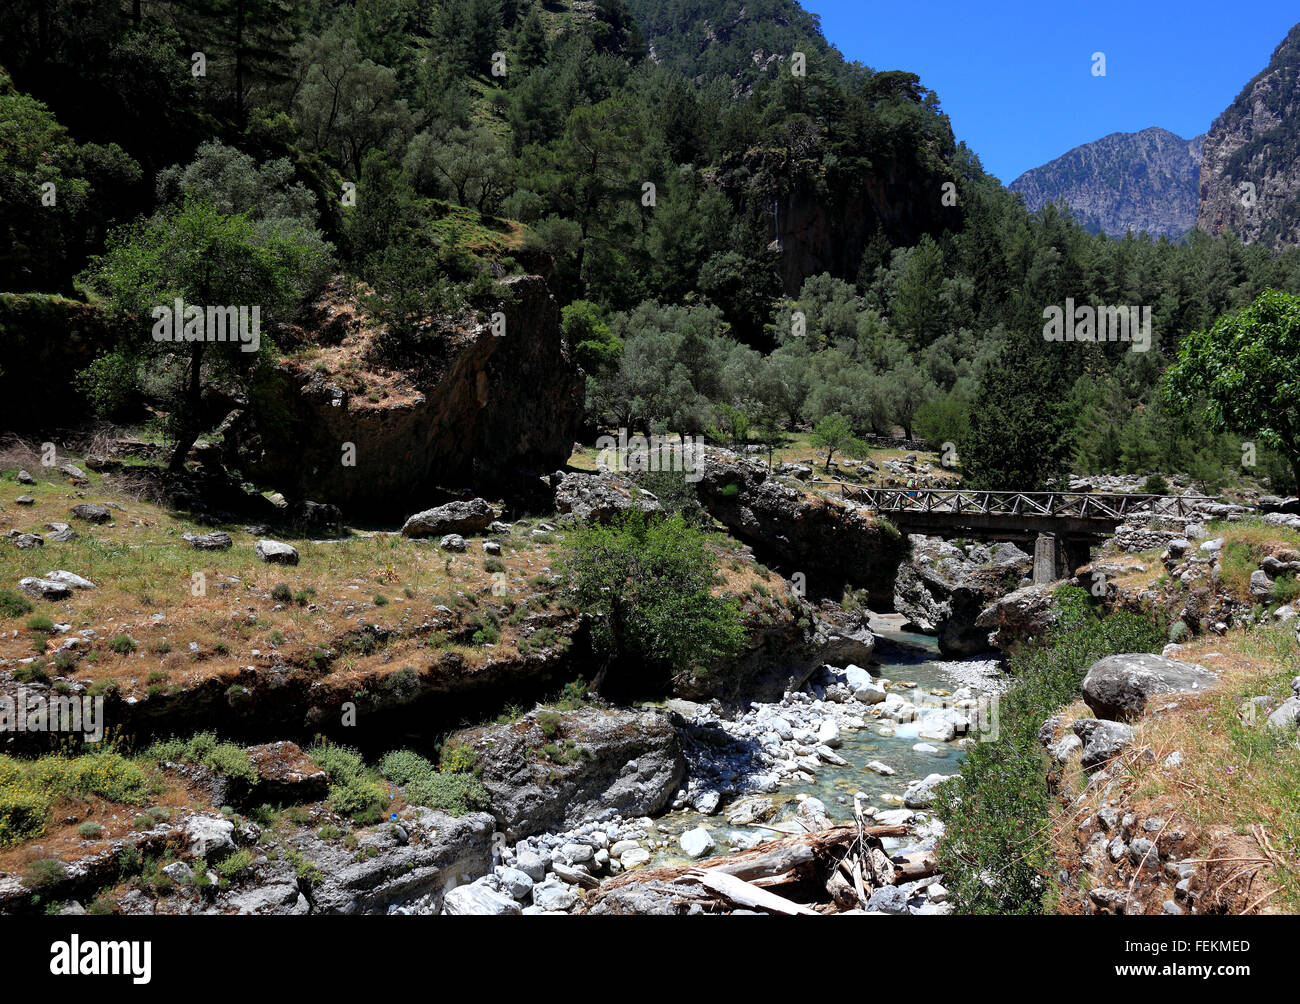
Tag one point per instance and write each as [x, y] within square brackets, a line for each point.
[1050, 559]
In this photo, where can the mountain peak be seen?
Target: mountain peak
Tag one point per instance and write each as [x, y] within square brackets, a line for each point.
[1140, 181]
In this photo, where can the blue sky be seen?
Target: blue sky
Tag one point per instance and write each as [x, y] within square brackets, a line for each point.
[1016, 78]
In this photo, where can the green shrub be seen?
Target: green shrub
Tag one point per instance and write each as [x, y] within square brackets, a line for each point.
[454, 794]
[1179, 632]
[13, 604]
[403, 766]
[205, 749]
[89, 830]
[340, 763]
[361, 798]
[995, 856]
[281, 593]
[45, 872]
[1285, 588]
[22, 814]
[108, 775]
[33, 672]
[648, 588]
[236, 864]
[457, 758]
[122, 644]
[40, 623]
[1155, 485]
[549, 722]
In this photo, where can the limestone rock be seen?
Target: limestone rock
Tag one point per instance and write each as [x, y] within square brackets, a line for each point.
[459, 518]
[1119, 686]
[276, 553]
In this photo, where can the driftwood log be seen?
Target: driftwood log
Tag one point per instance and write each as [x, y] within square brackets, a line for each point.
[827, 871]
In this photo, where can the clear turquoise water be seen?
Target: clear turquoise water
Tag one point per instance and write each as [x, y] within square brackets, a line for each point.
[904, 658]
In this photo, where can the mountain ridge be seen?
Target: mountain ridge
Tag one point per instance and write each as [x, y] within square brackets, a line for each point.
[1139, 181]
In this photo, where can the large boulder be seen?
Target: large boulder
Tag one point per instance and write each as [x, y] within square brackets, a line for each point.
[552, 770]
[472, 516]
[479, 404]
[479, 899]
[1118, 686]
[276, 553]
[92, 512]
[1021, 616]
[44, 589]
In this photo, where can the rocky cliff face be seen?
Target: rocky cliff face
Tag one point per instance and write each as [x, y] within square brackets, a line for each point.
[1125, 181]
[480, 409]
[832, 543]
[1250, 171]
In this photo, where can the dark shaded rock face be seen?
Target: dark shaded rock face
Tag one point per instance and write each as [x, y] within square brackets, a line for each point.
[831, 542]
[1119, 686]
[489, 410]
[551, 770]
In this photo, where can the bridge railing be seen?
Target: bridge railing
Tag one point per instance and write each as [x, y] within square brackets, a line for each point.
[1077, 505]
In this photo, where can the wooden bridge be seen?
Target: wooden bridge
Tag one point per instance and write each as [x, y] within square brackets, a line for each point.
[1062, 525]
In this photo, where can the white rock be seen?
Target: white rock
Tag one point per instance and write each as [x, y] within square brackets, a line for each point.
[696, 843]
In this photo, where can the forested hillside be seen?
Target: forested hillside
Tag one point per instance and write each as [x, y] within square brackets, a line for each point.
[745, 232]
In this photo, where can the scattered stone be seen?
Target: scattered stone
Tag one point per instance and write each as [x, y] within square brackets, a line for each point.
[516, 883]
[452, 542]
[216, 541]
[208, 837]
[921, 794]
[28, 541]
[1287, 715]
[478, 899]
[1102, 740]
[697, 842]
[276, 553]
[554, 895]
[92, 513]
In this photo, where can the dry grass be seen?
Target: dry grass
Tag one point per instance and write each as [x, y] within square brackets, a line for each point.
[1235, 775]
[381, 583]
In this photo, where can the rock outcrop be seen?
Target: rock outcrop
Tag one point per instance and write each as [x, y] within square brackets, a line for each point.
[600, 497]
[944, 589]
[550, 770]
[1250, 171]
[481, 408]
[833, 543]
[1021, 616]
